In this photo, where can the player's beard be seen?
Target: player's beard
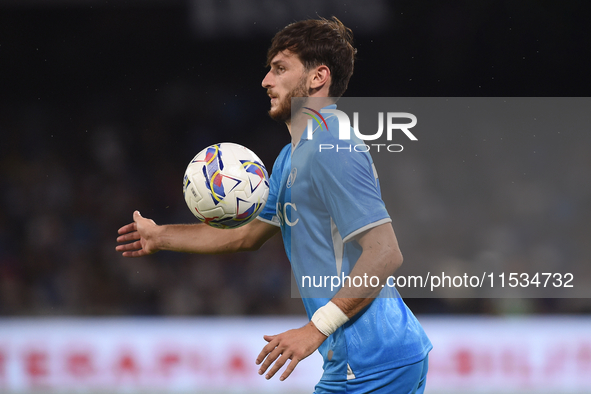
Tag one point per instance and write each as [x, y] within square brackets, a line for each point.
[283, 111]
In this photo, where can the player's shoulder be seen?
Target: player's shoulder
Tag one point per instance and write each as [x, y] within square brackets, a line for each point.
[283, 156]
[285, 151]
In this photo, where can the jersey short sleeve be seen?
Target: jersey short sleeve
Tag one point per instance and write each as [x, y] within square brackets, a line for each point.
[269, 212]
[347, 184]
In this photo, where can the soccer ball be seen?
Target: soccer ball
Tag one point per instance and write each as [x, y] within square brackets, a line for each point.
[226, 185]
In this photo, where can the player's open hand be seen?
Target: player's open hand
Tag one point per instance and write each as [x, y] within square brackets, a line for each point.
[137, 238]
[294, 345]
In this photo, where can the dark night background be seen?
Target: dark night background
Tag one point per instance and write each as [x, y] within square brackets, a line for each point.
[103, 104]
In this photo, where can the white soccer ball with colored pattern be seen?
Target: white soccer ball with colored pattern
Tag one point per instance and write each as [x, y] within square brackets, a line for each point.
[226, 185]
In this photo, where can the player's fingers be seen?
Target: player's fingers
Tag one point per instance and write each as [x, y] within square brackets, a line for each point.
[127, 228]
[269, 360]
[135, 253]
[132, 236]
[132, 250]
[137, 245]
[266, 350]
[277, 366]
[289, 369]
[269, 338]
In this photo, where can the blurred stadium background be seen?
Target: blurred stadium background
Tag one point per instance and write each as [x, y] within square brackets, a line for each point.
[103, 104]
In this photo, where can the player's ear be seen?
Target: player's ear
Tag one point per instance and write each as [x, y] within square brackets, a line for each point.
[319, 77]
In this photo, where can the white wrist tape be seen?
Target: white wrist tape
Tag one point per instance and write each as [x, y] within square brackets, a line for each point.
[328, 318]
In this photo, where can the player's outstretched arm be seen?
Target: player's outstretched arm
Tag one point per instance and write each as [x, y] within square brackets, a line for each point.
[143, 237]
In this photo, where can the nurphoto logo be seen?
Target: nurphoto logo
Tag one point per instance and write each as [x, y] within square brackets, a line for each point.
[344, 125]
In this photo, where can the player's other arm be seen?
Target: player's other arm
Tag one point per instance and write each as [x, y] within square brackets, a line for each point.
[380, 257]
[143, 237]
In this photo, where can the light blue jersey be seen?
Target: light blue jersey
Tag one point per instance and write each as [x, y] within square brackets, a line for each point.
[322, 200]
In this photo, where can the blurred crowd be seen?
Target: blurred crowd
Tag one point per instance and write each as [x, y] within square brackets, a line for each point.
[102, 111]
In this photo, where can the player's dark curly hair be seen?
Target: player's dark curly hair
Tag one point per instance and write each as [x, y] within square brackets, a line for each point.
[319, 42]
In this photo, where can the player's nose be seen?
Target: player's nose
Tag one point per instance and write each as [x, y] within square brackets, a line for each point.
[267, 81]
